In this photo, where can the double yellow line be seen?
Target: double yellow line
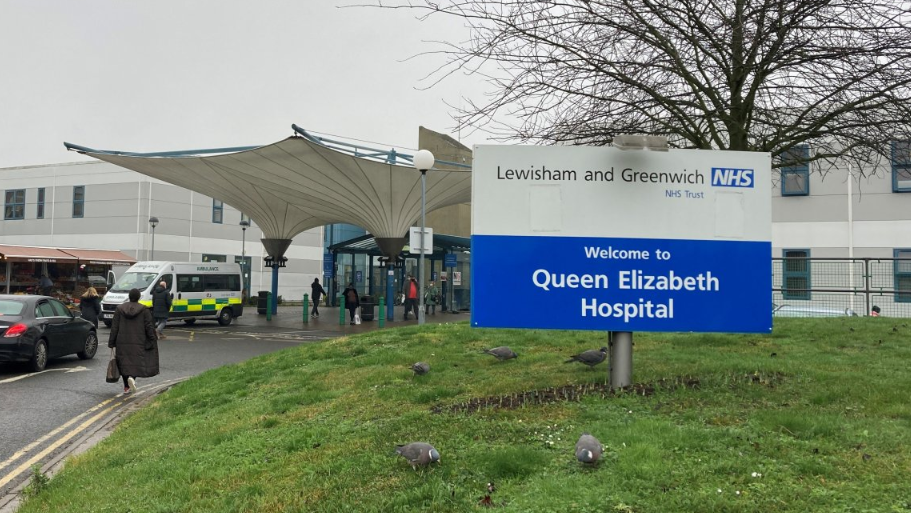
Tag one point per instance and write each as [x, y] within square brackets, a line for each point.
[94, 414]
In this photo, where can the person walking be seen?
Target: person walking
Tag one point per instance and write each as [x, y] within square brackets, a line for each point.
[316, 292]
[135, 342]
[45, 285]
[352, 301]
[90, 306]
[411, 297]
[161, 307]
[431, 298]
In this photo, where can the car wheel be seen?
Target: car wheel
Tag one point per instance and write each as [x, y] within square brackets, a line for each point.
[90, 347]
[39, 358]
[189, 321]
[225, 317]
[108, 323]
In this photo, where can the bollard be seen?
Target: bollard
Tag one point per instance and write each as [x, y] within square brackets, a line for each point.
[306, 307]
[341, 310]
[268, 306]
[382, 311]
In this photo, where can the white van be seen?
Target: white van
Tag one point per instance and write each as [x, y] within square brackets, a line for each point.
[201, 290]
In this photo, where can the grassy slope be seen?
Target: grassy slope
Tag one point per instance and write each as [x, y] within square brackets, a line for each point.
[826, 422]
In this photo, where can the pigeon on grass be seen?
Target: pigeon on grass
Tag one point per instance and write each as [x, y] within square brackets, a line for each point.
[418, 454]
[588, 449]
[501, 353]
[420, 368]
[591, 357]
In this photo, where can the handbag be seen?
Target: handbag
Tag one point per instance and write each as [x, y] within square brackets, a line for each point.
[113, 375]
[357, 318]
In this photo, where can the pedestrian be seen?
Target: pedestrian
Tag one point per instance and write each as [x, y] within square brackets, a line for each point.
[431, 298]
[161, 307]
[316, 292]
[136, 345]
[45, 285]
[90, 306]
[352, 301]
[875, 312]
[411, 297]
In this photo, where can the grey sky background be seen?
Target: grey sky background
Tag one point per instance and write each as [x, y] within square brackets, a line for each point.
[172, 75]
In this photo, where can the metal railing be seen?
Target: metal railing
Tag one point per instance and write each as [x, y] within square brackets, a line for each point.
[829, 287]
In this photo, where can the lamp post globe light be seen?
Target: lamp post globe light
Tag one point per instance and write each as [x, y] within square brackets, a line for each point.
[153, 221]
[423, 160]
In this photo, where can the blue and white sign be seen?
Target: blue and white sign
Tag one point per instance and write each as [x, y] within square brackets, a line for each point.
[599, 238]
[328, 267]
[450, 260]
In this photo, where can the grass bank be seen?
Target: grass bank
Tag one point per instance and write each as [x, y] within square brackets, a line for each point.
[814, 417]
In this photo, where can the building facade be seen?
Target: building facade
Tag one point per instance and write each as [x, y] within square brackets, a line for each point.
[101, 206]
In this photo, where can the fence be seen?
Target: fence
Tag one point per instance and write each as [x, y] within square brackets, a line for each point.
[829, 287]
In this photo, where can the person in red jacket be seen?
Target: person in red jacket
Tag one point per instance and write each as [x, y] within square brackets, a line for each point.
[411, 297]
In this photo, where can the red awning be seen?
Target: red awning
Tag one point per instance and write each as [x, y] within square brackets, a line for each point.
[34, 254]
[100, 256]
[64, 255]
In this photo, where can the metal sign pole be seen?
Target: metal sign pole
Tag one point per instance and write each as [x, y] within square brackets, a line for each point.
[621, 358]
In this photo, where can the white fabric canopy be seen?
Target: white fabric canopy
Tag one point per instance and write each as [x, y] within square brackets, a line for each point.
[296, 184]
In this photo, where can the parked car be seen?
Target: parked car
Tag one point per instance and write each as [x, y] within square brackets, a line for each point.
[35, 329]
[811, 311]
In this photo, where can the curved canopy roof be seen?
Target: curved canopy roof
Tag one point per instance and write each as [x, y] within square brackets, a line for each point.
[298, 183]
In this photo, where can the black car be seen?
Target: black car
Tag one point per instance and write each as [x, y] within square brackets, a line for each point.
[35, 329]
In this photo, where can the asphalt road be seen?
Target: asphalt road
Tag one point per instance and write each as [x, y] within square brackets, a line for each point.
[43, 415]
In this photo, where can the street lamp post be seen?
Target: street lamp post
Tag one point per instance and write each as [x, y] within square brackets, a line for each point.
[423, 160]
[154, 222]
[244, 224]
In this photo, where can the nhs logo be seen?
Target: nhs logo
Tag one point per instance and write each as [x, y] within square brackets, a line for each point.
[732, 177]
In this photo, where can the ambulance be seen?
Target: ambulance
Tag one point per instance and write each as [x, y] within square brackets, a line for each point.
[200, 290]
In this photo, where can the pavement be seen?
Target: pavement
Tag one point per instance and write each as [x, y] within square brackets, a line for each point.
[292, 317]
[287, 318]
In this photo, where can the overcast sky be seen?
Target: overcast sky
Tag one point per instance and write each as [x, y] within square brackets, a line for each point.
[171, 75]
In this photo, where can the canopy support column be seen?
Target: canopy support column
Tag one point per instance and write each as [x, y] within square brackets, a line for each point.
[276, 249]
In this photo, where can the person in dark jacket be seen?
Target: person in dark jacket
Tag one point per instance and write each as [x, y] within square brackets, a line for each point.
[316, 292]
[90, 306]
[135, 342]
[352, 301]
[161, 307]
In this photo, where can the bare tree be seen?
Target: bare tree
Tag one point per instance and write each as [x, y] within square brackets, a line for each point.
[760, 75]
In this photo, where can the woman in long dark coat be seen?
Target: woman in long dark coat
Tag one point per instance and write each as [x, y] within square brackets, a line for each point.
[90, 306]
[133, 336]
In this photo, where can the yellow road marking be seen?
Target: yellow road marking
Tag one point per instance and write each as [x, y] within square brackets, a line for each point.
[44, 438]
[51, 448]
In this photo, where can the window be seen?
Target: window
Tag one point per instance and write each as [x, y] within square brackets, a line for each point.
[901, 166]
[189, 283]
[214, 258]
[14, 208]
[78, 200]
[796, 276]
[903, 276]
[207, 282]
[40, 213]
[218, 211]
[795, 171]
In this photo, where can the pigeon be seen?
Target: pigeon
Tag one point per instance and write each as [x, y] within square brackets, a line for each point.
[420, 368]
[418, 453]
[591, 357]
[501, 353]
[588, 449]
